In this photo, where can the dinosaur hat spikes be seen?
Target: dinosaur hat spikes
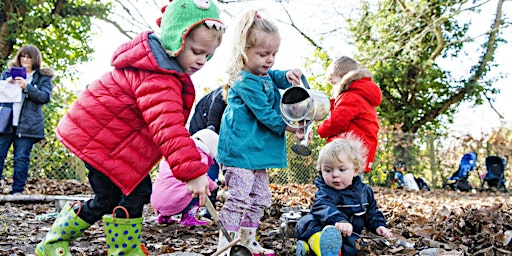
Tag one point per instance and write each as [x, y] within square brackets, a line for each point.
[180, 17]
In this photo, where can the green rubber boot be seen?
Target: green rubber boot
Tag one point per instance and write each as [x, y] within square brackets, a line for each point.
[67, 227]
[123, 235]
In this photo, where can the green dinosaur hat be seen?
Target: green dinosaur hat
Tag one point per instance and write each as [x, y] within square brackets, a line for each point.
[180, 17]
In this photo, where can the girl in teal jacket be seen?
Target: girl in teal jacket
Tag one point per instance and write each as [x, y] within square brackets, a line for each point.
[252, 133]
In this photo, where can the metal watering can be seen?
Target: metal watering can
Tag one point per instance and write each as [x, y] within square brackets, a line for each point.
[300, 106]
[288, 220]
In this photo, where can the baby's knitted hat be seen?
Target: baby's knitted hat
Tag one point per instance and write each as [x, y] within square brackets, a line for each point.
[180, 17]
[208, 138]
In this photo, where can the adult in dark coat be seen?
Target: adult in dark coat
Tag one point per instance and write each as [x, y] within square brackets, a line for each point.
[208, 112]
[26, 125]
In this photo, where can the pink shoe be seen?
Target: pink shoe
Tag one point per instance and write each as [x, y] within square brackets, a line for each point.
[160, 219]
[188, 219]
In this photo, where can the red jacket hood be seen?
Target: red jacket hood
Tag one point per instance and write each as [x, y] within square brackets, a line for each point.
[367, 89]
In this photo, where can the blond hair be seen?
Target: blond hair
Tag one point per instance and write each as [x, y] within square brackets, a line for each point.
[349, 145]
[342, 66]
[249, 31]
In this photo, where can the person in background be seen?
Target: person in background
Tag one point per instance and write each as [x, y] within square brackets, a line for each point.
[343, 205]
[125, 122]
[252, 132]
[170, 196]
[355, 97]
[27, 126]
[208, 112]
[398, 181]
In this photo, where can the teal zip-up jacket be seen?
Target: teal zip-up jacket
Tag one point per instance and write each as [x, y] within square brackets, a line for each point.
[252, 133]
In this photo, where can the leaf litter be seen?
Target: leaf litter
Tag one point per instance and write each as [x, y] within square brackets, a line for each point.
[437, 222]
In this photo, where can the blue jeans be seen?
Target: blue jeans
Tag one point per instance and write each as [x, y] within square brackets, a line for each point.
[107, 196]
[22, 147]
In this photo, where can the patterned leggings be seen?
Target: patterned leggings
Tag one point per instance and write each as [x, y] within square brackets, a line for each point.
[249, 195]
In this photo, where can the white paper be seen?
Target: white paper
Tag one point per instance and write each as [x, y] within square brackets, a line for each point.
[9, 92]
[410, 183]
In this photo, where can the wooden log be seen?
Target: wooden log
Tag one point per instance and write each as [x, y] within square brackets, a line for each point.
[20, 198]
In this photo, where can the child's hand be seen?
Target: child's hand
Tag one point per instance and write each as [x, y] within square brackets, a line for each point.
[199, 187]
[299, 133]
[345, 228]
[383, 231]
[294, 75]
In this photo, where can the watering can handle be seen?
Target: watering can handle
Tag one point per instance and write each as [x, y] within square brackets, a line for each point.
[305, 82]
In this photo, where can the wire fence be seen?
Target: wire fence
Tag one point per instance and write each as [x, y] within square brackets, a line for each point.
[433, 158]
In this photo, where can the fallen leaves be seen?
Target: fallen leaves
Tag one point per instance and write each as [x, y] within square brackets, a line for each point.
[439, 222]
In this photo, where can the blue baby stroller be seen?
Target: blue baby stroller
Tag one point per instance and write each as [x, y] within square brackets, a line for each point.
[459, 180]
[495, 174]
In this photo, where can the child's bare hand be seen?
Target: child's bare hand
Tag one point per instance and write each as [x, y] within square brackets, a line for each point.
[294, 75]
[299, 133]
[386, 233]
[345, 228]
[199, 187]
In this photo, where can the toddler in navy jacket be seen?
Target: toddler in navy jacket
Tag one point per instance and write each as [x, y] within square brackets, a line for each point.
[343, 205]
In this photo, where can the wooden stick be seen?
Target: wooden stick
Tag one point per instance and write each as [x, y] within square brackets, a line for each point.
[232, 243]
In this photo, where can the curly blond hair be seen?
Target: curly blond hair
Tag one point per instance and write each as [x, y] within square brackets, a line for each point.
[350, 145]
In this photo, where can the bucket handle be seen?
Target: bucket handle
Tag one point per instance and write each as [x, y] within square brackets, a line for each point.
[79, 206]
[122, 208]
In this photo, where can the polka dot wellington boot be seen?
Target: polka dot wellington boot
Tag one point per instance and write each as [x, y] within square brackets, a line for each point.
[123, 235]
[67, 227]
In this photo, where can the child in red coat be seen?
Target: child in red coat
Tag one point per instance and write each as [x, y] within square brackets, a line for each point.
[355, 97]
[131, 117]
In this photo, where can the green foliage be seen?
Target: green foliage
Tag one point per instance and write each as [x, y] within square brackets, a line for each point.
[401, 42]
[59, 162]
[62, 32]
[60, 29]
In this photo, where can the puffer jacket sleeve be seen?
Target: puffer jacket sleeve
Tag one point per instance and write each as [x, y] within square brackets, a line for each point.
[346, 108]
[161, 99]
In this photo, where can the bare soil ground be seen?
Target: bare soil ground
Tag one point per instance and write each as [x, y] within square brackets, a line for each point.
[439, 222]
